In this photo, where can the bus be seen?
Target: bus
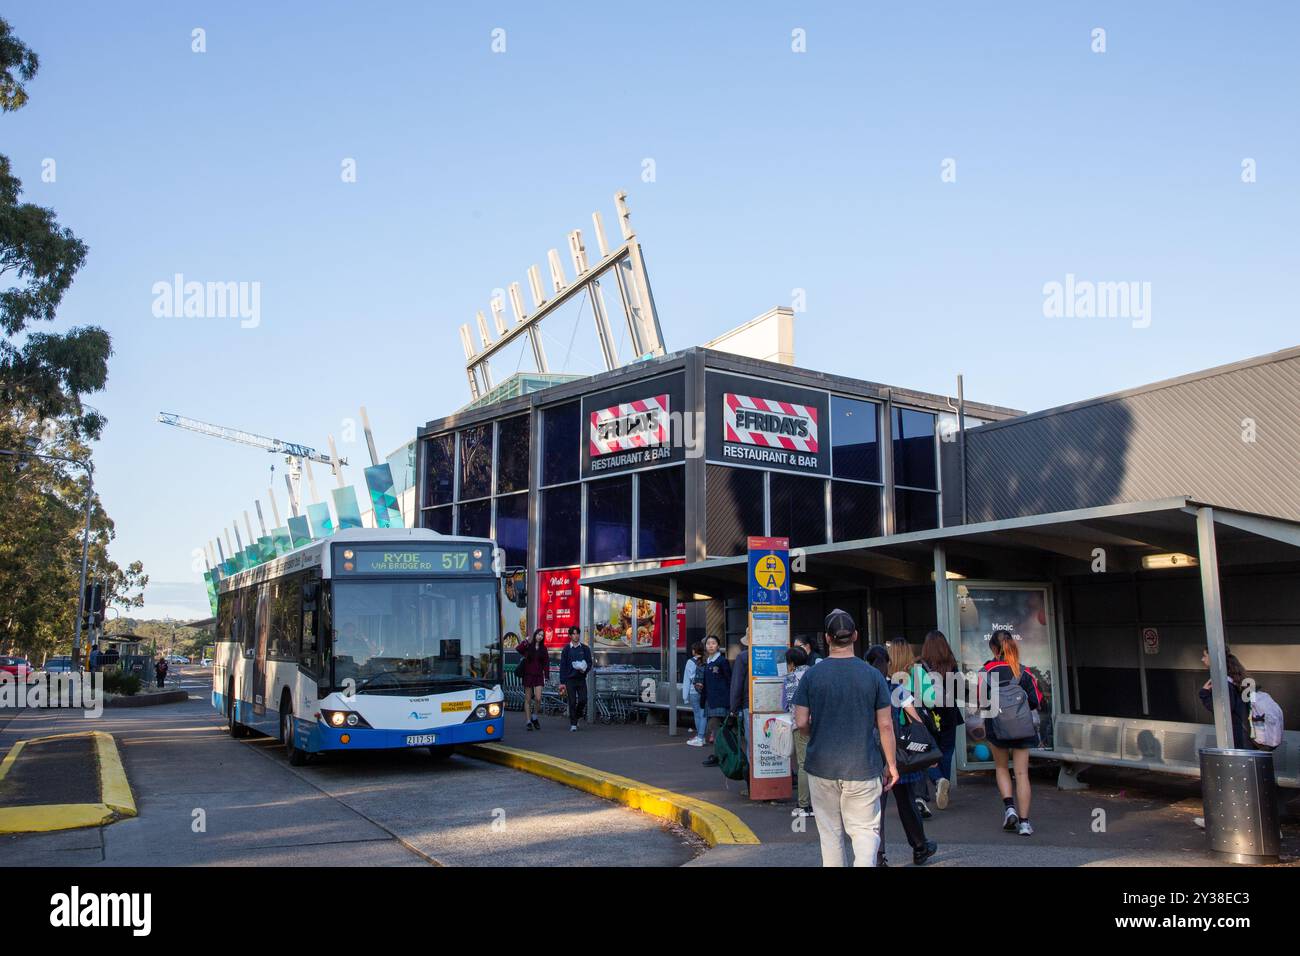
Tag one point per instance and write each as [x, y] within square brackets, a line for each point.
[371, 638]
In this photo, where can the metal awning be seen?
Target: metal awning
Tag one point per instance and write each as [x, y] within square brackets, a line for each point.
[1014, 548]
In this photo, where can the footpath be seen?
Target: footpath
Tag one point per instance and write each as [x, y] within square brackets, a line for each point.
[1123, 819]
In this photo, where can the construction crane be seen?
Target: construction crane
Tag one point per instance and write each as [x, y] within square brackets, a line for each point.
[294, 453]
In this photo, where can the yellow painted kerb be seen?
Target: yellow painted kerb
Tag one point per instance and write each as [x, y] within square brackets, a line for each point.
[116, 800]
[716, 825]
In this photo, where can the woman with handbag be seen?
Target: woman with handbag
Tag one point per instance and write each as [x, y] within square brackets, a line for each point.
[533, 669]
[902, 663]
[911, 729]
[938, 665]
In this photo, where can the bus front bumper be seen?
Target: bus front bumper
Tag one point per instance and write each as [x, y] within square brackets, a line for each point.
[316, 737]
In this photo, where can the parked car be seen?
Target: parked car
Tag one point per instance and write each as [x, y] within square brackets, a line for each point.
[178, 659]
[206, 662]
[58, 665]
[19, 667]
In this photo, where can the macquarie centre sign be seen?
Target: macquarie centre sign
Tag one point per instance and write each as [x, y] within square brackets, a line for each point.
[764, 424]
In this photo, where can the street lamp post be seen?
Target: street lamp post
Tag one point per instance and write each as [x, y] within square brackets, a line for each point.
[85, 543]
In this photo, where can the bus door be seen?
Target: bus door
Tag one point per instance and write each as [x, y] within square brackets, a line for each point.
[259, 656]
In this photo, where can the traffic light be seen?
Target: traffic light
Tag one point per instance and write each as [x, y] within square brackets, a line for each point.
[93, 604]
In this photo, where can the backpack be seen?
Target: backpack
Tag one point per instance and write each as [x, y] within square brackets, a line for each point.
[1014, 719]
[1265, 721]
[730, 752]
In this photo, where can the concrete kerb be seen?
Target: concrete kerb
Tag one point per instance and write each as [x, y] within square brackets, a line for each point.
[718, 827]
[116, 799]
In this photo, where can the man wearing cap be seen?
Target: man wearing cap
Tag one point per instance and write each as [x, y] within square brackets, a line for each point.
[847, 768]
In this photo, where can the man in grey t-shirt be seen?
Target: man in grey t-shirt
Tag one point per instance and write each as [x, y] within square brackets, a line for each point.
[840, 702]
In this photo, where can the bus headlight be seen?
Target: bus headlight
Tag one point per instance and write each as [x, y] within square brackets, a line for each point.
[494, 710]
[481, 713]
[343, 718]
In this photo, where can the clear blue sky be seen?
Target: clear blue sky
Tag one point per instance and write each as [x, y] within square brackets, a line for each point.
[775, 171]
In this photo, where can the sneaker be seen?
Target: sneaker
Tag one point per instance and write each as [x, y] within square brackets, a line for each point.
[711, 760]
[941, 793]
[806, 812]
[573, 728]
[1026, 828]
[528, 726]
[1010, 820]
[695, 742]
[880, 859]
[923, 853]
[1199, 821]
[923, 809]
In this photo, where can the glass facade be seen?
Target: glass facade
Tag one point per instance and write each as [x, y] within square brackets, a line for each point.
[661, 513]
[735, 508]
[512, 455]
[561, 443]
[855, 434]
[561, 531]
[797, 507]
[609, 520]
[916, 471]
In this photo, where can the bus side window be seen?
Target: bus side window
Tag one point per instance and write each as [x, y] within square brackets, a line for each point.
[308, 648]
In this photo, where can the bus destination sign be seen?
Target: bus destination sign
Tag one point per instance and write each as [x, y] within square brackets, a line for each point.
[411, 560]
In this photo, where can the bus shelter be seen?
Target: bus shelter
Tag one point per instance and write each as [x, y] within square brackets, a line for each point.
[1113, 607]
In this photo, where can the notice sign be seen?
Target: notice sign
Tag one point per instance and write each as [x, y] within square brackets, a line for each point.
[1150, 640]
[769, 637]
[765, 763]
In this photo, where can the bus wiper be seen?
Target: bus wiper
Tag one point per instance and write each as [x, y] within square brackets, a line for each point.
[374, 677]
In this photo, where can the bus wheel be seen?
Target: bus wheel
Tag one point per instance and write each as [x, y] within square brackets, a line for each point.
[442, 752]
[296, 757]
[237, 730]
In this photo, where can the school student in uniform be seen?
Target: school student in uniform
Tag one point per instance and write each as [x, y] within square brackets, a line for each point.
[715, 697]
[1011, 752]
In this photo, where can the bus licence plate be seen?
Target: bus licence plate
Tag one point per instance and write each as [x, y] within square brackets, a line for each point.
[419, 740]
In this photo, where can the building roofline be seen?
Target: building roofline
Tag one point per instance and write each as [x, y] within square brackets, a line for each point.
[1270, 358]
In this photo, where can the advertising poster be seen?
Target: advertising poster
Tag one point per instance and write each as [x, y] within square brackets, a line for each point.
[767, 764]
[559, 602]
[764, 424]
[1023, 612]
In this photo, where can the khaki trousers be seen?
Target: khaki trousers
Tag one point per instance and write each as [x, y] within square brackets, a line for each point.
[847, 808]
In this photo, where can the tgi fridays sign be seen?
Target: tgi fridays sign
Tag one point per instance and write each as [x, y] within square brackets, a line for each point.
[631, 426]
[767, 425]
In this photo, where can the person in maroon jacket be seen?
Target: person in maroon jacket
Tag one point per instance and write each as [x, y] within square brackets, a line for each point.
[534, 668]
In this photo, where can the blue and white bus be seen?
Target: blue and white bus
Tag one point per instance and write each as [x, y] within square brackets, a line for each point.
[371, 638]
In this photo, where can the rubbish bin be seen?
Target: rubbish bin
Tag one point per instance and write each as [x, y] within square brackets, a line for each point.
[1239, 791]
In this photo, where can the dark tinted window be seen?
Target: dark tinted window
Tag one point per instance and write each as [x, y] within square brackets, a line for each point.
[661, 513]
[561, 516]
[512, 454]
[914, 458]
[855, 431]
[437, 519]
[285, 606]
[512, 528]
[439, 469]
[475, 519]
[735, 508]
[609, 520]
[475, 462]
[855, 511]
[561, 443]
[915, 510]
[798, 509]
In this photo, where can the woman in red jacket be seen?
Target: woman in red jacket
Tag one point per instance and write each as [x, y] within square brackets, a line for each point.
[534, 667]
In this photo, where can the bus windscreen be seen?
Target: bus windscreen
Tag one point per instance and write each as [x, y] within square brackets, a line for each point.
[413, 635]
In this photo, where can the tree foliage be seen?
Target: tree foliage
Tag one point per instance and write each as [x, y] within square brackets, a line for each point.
[43, 378]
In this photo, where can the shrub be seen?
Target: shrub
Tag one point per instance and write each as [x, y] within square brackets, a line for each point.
[115, 682]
